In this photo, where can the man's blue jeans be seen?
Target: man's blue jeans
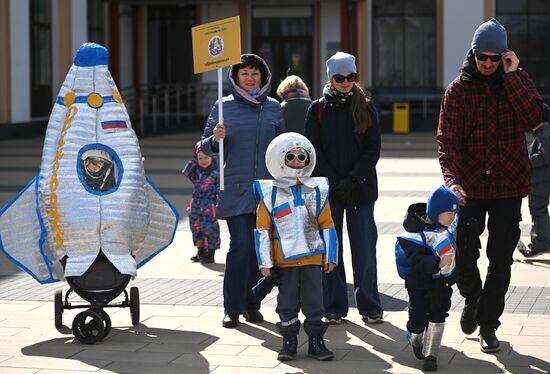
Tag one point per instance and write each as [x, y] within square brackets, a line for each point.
[362, 235]
[241, 266]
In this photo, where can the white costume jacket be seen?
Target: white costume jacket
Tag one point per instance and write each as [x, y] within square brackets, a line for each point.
[294, 207]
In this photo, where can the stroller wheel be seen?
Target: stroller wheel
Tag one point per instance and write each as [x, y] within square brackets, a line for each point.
[106, 322]
[134, 305]
[58, 305]
[88, 327]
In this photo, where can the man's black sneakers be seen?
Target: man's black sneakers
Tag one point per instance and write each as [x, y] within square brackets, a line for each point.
[488, 340]
[468, 319]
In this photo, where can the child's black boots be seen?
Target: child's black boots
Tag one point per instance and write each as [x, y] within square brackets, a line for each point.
[290, 346]
[317, 348]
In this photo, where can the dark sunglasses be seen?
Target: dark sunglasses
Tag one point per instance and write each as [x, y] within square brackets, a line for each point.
[484, 57]
[292, 156]
[339, 78]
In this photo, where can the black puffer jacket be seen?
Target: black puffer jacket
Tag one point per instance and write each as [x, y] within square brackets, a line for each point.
[341, 152]
[422, 260]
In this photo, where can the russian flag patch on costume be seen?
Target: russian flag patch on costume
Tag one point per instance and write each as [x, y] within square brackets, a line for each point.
[444, 247]
[116, 124]
[282, 210]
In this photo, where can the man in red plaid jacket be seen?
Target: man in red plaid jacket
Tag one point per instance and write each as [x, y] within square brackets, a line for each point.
[483, 156]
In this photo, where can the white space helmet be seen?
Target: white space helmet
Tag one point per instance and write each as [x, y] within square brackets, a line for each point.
[276, 153]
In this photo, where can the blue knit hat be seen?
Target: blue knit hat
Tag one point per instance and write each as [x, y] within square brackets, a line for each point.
[441, 200]
[339, 63]
[490, 37]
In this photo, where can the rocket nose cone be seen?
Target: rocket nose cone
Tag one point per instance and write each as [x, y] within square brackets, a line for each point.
[91, 54]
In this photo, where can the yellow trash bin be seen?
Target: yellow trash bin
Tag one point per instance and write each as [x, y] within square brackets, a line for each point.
[401, 118]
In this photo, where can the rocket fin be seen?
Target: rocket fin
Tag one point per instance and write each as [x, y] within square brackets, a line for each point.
[162, 226]
[22, 234]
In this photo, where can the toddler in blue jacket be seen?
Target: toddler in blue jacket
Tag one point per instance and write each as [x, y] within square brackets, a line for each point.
[426, 259]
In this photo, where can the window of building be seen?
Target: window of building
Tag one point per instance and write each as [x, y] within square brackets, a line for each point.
[404, 44]
[528, 23]
[41, 57]
[96, 22]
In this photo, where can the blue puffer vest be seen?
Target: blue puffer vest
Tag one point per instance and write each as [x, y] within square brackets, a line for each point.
[251, 122]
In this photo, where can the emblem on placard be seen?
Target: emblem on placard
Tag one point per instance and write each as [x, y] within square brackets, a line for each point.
[215, 46]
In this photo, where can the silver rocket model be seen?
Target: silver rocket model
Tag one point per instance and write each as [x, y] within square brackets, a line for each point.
[91, 193]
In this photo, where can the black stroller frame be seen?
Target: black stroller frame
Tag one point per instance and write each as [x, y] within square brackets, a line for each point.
[99, 285]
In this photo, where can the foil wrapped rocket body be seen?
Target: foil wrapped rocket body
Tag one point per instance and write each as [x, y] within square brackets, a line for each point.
[91, 193]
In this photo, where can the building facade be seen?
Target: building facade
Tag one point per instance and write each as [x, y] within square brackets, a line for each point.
[407, 50]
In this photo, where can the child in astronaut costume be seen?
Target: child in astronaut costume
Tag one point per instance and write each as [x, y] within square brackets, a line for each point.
[295, 212]
[430, 249]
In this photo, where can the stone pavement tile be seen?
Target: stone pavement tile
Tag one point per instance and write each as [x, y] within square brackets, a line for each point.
[387, 354]
[478, 363]
[194, 365]
[48, 371]
[535, 330]
[527, 356]
[19, 306]
[91, 354]
[526, 369]
[483, 368]
[186, 311]
[55, 348]
[54, 363]
[165, 322]
[228, 350]
[243, 370]
[311, 365]
[409, 369]
[360, 370]
[527, 340]
[249, 340]
[180, 347]
[523, 320]
[250, 361]
[11, 331]
[13, 370]
[157, 335]
[45, 332]
[26, 320]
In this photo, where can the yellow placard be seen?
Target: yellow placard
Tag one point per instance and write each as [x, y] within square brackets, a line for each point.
[216, 44]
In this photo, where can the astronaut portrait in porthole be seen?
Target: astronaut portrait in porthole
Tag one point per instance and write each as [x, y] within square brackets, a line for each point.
[98, 169]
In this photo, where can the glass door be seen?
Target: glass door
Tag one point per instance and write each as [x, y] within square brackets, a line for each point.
[286, 44]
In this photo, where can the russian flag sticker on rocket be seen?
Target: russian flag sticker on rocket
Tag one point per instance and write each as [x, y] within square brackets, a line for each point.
[114, 125]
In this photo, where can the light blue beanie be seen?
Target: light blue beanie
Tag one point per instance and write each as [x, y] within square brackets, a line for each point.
[490, 37]
[339, 63]
[441, 200]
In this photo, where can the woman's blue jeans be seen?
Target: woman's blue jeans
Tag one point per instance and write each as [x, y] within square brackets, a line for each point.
[241, 266]
[362, 235]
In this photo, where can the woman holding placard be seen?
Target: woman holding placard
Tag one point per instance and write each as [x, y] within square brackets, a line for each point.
[251, 120]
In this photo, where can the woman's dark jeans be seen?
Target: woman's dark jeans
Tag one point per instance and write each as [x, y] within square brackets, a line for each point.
[241, 266]
[363, 236]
